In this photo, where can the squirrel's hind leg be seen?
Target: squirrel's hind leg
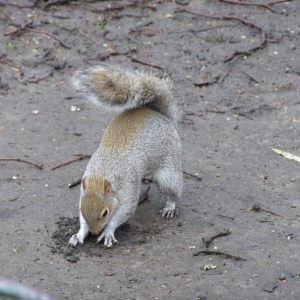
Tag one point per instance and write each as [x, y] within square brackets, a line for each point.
[169, 182]
[82, 233]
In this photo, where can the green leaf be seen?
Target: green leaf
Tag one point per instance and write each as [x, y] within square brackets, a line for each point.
[101, 25]
[10, 45]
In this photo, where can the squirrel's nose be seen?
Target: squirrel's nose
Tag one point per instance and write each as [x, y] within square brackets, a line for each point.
[95, 231]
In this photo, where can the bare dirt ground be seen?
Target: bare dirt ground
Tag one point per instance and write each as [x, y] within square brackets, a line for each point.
[235, 70]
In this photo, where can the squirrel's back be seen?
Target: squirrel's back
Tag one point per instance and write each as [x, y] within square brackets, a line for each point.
[119, 90]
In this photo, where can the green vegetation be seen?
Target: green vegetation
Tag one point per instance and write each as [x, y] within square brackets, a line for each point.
[141, 22]
[101, 25]
[10, 45]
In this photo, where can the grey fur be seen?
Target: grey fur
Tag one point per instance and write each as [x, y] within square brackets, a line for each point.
[154, 147]
[161, 99]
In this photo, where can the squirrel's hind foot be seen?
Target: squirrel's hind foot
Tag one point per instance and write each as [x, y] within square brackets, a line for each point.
[168, 213]
[170, 210]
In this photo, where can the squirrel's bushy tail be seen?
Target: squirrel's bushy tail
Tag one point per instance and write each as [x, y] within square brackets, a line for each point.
[119, 90]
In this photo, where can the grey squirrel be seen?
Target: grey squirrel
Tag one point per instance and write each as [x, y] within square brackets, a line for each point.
[141, 139]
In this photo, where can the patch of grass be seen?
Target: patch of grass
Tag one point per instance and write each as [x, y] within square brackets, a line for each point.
[101, 25]
[297, 276]
[10, 45]
[141, 22]
[107, 47]
[1, 199]
[126, 43]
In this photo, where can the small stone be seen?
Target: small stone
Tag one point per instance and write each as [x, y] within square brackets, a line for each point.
[282, 276]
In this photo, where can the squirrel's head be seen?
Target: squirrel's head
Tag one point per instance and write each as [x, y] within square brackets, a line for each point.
[97, 203]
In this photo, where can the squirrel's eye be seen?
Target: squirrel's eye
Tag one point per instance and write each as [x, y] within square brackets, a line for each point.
[104, 213]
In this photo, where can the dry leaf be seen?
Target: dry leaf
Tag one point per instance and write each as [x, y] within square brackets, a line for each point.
[287, 154]
[210, 267]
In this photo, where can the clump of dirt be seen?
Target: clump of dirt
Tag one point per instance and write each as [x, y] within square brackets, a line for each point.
[65, 227]
[127, 234]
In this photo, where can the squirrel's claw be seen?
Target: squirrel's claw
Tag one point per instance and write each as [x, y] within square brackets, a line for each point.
[74, 240]
[109, 239]
[168, 213]
[79, 237]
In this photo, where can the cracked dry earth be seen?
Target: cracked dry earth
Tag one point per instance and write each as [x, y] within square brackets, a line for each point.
[235, 70]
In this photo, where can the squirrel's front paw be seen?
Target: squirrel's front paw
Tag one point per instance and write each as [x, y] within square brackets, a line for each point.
[109, 239]
[168, 212]
[73, 240]
[77, 238]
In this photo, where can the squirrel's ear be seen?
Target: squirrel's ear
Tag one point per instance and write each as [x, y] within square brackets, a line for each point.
[85, 182]
[107, 188]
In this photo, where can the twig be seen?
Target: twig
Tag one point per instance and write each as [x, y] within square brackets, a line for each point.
[275, 40]
[147, 64]
[21, 160]
[116, 6]
[104, 55]
[192, 175]
[243, 21]
[79, 157]
[265, 5]
[84, 34]
[4, 62]
[188, 113]
[20, 27]
[54, 2]
[207, 241]
[227, 255]
[15, 179]
[14, 199]
[231, 218]
[224, 76]
[248, 52]
[8, 17]
[205, 82]
[215, 111]
[17, 5]
[38, 79]
[251, 78]
[44, 58]
[212, 274]
[193, 30]
[257, 207]
[178, 274]
[244, 115]
[49, 34]
[74, 183]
